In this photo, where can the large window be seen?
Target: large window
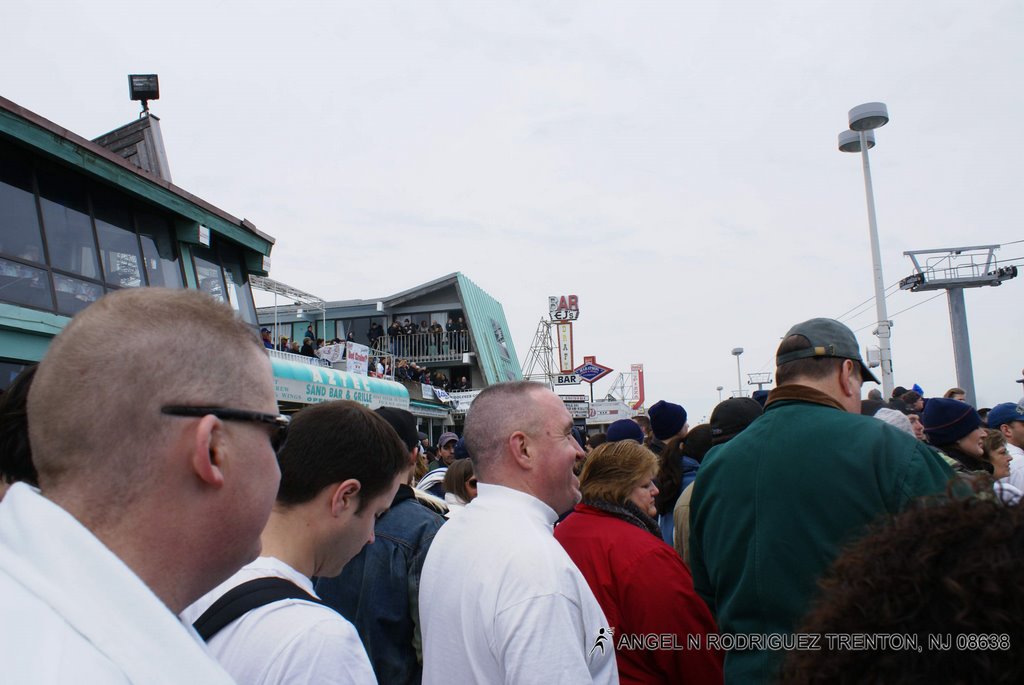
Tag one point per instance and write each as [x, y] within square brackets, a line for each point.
[222, 275]
[66, 223]
[360, 328]
[158, 250]
[74, 294]
[19, 219]
[25, 285]
[239, 292]
[66, 240]
[119, 245]
[209, 273]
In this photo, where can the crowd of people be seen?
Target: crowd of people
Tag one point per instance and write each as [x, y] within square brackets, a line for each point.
[309, 346]
[377, 366]
[400, 332]
[347, 548]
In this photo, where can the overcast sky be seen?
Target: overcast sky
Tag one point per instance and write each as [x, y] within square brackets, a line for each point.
[674, 164]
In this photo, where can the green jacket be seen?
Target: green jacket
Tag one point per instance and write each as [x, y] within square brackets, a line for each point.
[772, 508]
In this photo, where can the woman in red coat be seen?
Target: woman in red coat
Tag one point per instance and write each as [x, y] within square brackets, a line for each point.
[659, 623]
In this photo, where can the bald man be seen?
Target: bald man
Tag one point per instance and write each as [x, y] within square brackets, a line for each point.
[152, 422]
[500, 600]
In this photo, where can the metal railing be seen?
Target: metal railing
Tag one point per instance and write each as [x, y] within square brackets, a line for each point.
[417, 348]
[300, 358]
[425, 347]
[340, 366]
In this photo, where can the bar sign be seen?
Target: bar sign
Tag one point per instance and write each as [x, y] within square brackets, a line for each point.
[565, 358]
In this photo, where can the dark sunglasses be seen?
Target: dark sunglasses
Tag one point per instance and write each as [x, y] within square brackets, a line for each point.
[471, 482]
[278, 422]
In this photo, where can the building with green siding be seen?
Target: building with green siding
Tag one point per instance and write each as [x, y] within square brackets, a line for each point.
[481, 350]
[78, 220]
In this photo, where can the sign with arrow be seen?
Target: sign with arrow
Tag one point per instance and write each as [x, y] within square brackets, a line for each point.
[590, 371]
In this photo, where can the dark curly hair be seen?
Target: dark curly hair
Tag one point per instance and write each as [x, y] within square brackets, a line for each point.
[949, 566]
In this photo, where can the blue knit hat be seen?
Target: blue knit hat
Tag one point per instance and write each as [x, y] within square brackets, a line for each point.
[946, 421]
[625, 429]
[667, 419]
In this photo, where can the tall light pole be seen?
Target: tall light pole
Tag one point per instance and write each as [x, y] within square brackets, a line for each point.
[863, 120]
[737, 351]
[719, 388]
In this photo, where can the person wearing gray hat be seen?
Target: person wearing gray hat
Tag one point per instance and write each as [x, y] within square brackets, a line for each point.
[772, 507]
[445, 451]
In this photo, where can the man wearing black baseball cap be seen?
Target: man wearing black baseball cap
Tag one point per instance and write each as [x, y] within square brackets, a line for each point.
[772, 507]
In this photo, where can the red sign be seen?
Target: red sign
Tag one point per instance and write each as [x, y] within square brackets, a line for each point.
[564, 308]
[590, 371]
[638, 384]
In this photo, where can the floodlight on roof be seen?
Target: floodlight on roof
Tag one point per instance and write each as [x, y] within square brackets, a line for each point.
[144, 87]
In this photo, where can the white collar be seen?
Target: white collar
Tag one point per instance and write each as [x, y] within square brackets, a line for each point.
[272, 566]
[58, 560]
[502, 497]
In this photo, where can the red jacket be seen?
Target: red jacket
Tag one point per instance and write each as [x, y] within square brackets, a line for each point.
[645, 590]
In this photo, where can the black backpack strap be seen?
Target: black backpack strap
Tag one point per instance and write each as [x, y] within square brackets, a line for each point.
[243, 598]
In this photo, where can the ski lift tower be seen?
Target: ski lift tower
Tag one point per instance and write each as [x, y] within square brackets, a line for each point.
[952, 269]
[760, 379]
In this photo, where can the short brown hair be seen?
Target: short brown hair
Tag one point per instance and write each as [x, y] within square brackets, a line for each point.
[613, 469]
[334, 441]
[814, 368]
[94, 405]
[455, 478]
[994, 439]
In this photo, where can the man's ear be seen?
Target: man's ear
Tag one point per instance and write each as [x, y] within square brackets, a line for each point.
[1006, 431]
[846, 379]
[208, 451]
[519, 447]
[344, 496]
